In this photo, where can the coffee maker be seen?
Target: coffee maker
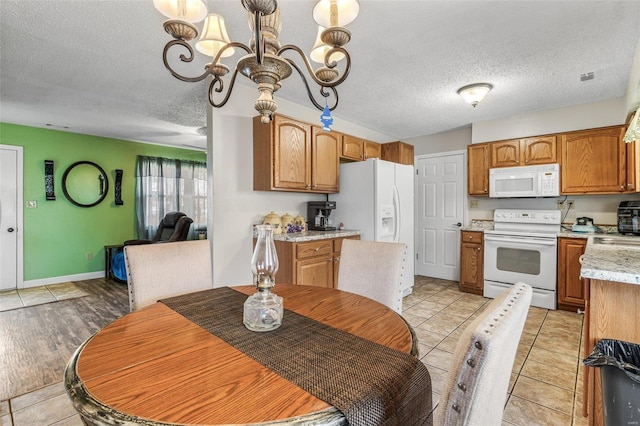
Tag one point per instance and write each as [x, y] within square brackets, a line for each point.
[318, 213]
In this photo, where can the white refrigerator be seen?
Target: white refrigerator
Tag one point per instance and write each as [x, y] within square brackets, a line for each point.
[376, 198]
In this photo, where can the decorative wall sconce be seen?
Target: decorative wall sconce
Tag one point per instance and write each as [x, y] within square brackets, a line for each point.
[48, 180]
[118, 189]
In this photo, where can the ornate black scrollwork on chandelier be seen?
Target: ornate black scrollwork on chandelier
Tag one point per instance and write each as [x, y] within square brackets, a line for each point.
[264, 63]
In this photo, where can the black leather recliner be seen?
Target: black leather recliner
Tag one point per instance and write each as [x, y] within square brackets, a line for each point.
[173, 227]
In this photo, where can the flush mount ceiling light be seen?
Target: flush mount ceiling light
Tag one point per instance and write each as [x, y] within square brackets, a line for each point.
[264, 62]
[474, 93]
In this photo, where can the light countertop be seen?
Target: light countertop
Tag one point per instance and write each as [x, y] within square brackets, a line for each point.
[611, 262]
[297, 237]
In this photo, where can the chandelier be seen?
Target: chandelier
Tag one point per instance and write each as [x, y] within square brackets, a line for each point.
[264, 63]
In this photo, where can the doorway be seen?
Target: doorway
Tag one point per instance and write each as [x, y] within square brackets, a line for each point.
[440, 212]
[11, 185]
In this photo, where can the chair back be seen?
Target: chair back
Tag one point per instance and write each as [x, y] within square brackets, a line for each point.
[174, 226]
[374, 270]
[155, 271]
[476, 387]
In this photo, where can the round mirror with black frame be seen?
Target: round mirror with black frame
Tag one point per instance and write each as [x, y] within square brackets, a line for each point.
[85, 184]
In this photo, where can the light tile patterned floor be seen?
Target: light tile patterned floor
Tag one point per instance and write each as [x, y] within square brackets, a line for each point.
[15, 299]
[546, 383]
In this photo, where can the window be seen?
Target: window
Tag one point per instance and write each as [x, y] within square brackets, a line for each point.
[165, 185]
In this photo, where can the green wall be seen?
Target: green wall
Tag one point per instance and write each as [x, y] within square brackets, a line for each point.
[57, 234]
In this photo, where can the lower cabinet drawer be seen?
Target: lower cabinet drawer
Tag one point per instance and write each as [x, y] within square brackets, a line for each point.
[315, 248]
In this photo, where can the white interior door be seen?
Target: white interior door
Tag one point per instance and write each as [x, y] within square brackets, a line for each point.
[10, 217]
[440, 211]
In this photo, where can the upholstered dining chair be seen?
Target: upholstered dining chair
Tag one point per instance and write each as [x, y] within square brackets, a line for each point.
[476, 387]
[374, 270]
[155, 271]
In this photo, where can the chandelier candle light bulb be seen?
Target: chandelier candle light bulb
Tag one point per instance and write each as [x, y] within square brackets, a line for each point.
[264, 62]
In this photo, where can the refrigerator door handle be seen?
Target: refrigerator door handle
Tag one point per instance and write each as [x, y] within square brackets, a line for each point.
[396, 208]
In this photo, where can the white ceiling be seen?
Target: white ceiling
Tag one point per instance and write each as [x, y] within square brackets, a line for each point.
[95, 66]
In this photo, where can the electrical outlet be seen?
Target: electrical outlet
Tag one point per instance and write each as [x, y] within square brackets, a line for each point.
[89, 255]
[473, 204]
[570, 204]
[560, 204]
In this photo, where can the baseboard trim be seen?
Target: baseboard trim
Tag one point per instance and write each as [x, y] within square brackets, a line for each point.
[62, 279]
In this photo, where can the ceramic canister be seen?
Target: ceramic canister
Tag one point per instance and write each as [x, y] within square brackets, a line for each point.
[286, 219]
[274, 220]
[299, 221]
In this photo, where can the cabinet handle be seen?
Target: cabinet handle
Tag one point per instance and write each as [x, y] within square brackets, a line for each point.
[317, 249]
[580, 311]
[622, 187]
[478, 249]
[307, 186]
[336, 259]
[580, 259]
[485, 190]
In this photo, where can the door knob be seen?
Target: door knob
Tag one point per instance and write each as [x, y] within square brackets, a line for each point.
[10, 229]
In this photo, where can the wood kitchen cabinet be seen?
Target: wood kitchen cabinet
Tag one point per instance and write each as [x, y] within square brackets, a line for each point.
[398, 152]
[472, 262]
[594, 161]
[611, 313]
[524, 152]
[289, 155]
[325, 160]
[359, 149]
[571, 287]
[478, 169]
[314, 263]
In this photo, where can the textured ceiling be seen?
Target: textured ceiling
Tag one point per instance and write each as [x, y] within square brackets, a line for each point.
[95, 66]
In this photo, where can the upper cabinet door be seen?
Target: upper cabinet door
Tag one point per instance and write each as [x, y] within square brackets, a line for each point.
[478, 169]
[593, 161]
[352, 148]
[541, 150]
[505, 153]
[292, 154]
[325, 160]
[371, 150]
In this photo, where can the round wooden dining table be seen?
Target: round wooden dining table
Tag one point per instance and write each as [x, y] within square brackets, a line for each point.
[154, 366]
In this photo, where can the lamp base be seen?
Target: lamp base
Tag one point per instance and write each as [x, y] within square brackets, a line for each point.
[263, 311]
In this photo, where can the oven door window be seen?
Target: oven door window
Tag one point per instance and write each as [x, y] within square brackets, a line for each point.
[518, 260]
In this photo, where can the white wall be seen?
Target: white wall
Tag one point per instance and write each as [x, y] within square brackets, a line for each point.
[633, 86]
[586, 116]
[235, 206]
[601, 208]
[454, 140]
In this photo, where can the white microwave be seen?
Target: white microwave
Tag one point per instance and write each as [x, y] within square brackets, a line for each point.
[525, 181]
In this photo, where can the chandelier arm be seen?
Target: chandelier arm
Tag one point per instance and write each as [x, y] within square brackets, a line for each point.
[220, 88]
[229, 46]
[322, 89]
[333, 64]
[183, 58]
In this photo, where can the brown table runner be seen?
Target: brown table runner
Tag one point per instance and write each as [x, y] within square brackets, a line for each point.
[382, 386]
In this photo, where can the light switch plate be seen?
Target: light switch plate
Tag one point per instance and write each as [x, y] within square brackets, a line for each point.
[32, 204]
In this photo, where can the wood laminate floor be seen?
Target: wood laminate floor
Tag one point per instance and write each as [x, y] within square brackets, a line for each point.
[36, 342]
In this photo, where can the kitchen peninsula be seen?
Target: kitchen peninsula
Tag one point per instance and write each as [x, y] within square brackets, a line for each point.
[611, 268]
[310, 257]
